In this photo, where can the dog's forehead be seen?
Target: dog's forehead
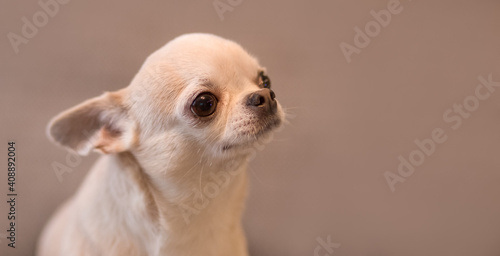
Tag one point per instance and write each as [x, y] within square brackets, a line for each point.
[196, 56]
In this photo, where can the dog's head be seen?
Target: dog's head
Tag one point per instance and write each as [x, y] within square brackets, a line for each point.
[199, 93]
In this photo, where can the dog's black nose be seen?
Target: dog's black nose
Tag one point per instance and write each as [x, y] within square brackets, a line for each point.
[263, 99]
[256, 99]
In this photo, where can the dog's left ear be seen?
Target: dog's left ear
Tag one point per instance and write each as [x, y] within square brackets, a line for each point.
[101, 123]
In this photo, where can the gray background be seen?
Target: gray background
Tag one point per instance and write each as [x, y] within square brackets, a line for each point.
[324, 173]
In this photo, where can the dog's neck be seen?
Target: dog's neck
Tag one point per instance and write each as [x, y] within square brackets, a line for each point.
[194, 202]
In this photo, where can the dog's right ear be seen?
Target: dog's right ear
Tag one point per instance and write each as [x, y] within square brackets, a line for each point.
[101, 123]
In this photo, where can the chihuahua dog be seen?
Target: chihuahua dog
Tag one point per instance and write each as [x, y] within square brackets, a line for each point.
[176, 144]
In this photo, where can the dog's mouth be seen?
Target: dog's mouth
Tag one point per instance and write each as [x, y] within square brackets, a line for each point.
[259, 135]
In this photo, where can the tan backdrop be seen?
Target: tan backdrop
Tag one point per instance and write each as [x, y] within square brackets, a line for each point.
[321, 187]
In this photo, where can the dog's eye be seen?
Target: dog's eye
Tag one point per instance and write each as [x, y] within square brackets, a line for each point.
[204, 105]
[266, 82]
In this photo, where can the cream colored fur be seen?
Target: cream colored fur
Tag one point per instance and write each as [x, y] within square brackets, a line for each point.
[147, 194]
